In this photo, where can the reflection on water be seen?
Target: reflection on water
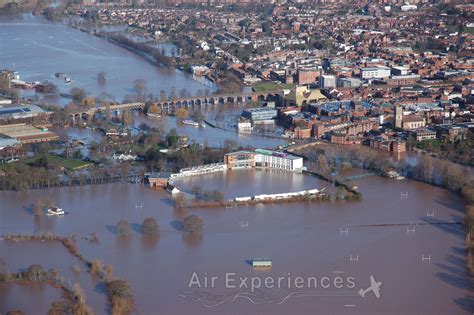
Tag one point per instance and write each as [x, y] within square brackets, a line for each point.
[193, 239]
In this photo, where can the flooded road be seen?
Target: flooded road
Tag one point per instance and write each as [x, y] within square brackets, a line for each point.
[412, 243]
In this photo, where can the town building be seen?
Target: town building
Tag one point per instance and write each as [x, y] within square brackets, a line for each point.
[398, 116]
[327, 81]
[375, 72]
[424, 134]
[413, 122]
[262, 114]
[302, 95]
[306, 76]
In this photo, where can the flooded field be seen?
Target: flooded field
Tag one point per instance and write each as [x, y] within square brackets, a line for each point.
[405, 234]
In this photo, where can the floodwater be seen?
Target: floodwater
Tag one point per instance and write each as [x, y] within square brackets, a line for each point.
[316, 239]
[210, 136]
[31, 299]
[37, 49]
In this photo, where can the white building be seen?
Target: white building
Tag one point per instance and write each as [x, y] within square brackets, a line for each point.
[375, 72]
[408, 7]
[278, 160]
[124, 156]
[327, 81]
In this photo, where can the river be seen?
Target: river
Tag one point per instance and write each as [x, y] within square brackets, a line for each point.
[302, 239]
[37, 49]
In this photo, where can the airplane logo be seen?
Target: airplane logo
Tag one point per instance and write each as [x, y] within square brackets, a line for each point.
[374, 287]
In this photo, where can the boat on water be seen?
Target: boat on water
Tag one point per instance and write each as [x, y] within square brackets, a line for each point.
[153, 115]
[261, 262]
[67, 80]
[55, 211]
[59, 75]
[190, 123]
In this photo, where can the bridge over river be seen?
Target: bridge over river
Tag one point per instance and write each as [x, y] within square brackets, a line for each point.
[187, 102]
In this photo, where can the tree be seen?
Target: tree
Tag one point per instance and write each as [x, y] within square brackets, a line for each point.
[123, 227]
[3, 271]
[183, 93]
[139, 86]
[323, 166]
[50, 88]
[182, 113]
[172, 137]
[120, 296]
[179, 201]
[101, 79]
[217, 195]
[196, 191]
[150, 226]
[163, 96]
[106, 104]
[154, 109]
[89, 101]
[127, 117]
[78, 94]
[230, 144]
[172, 94]
[192, 223]
[35, 272]
[119, 289]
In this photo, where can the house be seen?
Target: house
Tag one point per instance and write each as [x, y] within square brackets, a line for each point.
[124, 156]
[157, 179]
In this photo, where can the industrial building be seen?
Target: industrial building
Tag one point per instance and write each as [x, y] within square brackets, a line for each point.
[261, 114]
[19, 111]
[28, 133]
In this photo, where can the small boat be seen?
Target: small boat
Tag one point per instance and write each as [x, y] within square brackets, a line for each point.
[261, 262]
[190, 123]
[67, 80]
[154, 115]
[59, 75]
[55, 211]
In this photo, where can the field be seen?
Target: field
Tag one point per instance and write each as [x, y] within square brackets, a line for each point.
[271, 86]
[70, 164]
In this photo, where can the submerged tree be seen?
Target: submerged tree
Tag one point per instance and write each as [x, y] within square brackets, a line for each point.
[120, 296]
[101, 79]
[192, 223]
[123, 227]
[150, 226]
[3, 271]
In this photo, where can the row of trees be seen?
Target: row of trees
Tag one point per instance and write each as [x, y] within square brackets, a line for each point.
[150, 51]
[149, 227]
[443, 173]
[212, 195]
[75, 302]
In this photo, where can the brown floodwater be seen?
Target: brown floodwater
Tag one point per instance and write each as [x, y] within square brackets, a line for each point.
[307, 239]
